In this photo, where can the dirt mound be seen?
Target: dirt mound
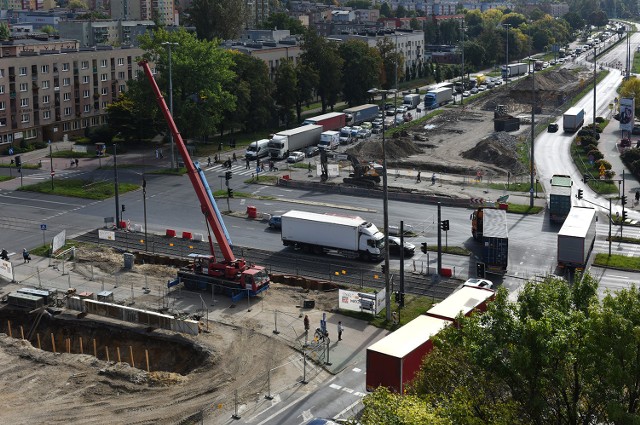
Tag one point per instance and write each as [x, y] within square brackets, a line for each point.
[499, 149]
[398, 146]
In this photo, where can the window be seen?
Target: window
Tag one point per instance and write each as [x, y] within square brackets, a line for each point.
[22, 70]
[3, 122]
[66, 81]
[2, 89]
[67, 111]
[65, 66]
[85, 64]
[1, 73]
[121, 75]
[45, 84]
[85, 93]
[105, 91]
[66, 126]
[121, 88]
[24, 86]
[87, 108]
[103, 77]
[24, 103]
[25, 117]
[3, 106]
[120, 61]
[104, 105]
[46, 115]
[66, 97]
[45, 99]
[44, 69]
[103, 63]
[85, 79]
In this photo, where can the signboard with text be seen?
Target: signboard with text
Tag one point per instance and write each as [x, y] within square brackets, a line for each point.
[627, 112]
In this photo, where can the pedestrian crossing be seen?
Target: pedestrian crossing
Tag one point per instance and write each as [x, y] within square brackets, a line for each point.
[59, 174]
[237, 168]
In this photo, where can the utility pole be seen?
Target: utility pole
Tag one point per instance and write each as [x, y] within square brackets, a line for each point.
[506, 67]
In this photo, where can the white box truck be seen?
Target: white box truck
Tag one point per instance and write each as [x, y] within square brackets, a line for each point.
[438, 97]
[514, 69]
[359, 114]
[352, 237]
[284, 142]
[411, 101]
[573, 119]
[329, 140]
[576, 237]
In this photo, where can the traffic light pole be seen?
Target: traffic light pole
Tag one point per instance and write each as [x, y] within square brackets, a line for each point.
[609, 227]
[401, 267]
[624, 201]
[439, 240]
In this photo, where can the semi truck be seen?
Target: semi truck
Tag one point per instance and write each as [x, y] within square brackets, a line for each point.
[576, 237]
[438, 97]
[330, 121]
[411, 101]
[352, 237]
[489, 226]
[329, 140]
[294, 140]
[359, 114]
[573, 119]
[560, 198]
[514, 69]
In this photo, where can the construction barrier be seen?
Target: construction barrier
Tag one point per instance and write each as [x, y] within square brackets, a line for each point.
[171, 233]
[252, 211]
[187, 235]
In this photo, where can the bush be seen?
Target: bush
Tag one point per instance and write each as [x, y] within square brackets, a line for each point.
[607, 164]
[631, 155]
[600, 120]
[609, 174]
[596, 154]
[635, 166]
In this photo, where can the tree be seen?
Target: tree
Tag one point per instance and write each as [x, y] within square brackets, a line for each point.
[358, 4]
[392, 63]
[223, 19]
[514, 19]
[575, 21]
[286, 91]
[401, 11]
[322, 55]
[384, 407]
[474, 53]
[77, 4]
[414, 24]
[5, 32]
[360, 72]
[385, 10]
[282, 21]
[598, 18]
[131, 118]
[308, 78]
[48, 29]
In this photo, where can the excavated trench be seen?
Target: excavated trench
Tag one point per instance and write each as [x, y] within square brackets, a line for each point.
[166, 352]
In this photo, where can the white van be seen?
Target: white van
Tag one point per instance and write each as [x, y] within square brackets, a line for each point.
[329, 140]
[257, 149]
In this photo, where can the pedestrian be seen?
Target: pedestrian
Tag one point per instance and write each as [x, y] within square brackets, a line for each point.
[157, 154]
[208, 161]
[248, 163]
[306, 324]
[340, 330]
[257, 164]
[637, 197]
[418, 177]
[395, 317]
[433, 178]
[309, 167]
[76, 161]
[72, 162]
[25, 255]
[4, 255]
[235, 159]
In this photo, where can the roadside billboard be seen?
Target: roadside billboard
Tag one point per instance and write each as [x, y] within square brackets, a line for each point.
[627, 113]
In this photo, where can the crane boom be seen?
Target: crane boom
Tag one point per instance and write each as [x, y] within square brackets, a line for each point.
[205, 203]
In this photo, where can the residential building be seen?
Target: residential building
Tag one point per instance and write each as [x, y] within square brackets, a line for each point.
[259, 11]
[104, 32]
[49, 90]
[270, 52]
[162, 11]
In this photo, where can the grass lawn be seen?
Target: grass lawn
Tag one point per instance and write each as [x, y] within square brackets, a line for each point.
[80, 188]
[5, 178]
[523, 209]
[516, 187]
[617, 261]
[170, 171]
[414, 306]
[455, 250]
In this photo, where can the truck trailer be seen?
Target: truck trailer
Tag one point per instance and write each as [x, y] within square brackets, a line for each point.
[560, 198]
[514, 69]
[576, 237]
[352, 237]
[573, 119]
[330, 121]
[359, 114]
[438, 97]
[490, 227]
[294, 140]
[411, 101]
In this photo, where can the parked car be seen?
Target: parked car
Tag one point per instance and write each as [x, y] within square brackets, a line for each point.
[497, 81]
[389, 122]
[388, 106]
[401, 109]
[466, 93]
[355, 130]
[391, 112]
[376, 130]
[478, 283]
[482, 87]
[378, 122]
[399, 120]
[295, 156]
[311, 151]
[553, 127]
[363, 133]
[275, 222]
[366, 124]
[474, 90]
[394, 247]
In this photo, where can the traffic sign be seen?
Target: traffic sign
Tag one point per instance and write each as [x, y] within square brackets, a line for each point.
[43, 227]
[53, 173]
[602, 169]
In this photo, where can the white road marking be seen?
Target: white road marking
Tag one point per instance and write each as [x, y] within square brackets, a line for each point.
[283, 409]
[347, 409]
[335, 386]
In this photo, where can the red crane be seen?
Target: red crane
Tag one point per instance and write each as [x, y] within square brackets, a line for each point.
[232, 271]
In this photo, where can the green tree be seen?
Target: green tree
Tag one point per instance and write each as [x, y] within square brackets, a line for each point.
[323, 56]
[598, 18]
[384, 407]
[392, 63]
[77, 4]
[385, 11]
[474, 54]
[282, 21]
[223, 19]
[286, 91]
[130, 117]
[308, 79]
[401, 11]
[358, 4]
[414, 24]
[5, 32]
[574, 19]
[361, 71]
[514, 19]
[48, 29]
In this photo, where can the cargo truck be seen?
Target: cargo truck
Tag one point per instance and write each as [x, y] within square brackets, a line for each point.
[514, 69]
[295, 139]
[560, 198]
[329, 140]
[490, 227]
[573, 119]
[352, 237]
[330, 121]
[576, 237]
[359, 114]
[411, 101]
[438, 97]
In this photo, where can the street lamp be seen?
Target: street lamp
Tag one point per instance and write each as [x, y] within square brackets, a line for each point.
[385, 209]
[506, 65]
[168, 45]
[462, 48]
[115, 180]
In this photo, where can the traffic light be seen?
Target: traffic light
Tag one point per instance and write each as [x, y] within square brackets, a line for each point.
[18, 161]
[401, 302]
[123, 208]
[424, 247]
[624, 199]
[580, 192]
[480, 270]
[444, 225]
[384, 269]
[397, 295]
[624, 215]
[229, 193]
[227, 175]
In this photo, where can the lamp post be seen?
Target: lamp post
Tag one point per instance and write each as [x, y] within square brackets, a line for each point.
[385, 210]
[462, 47]
[395, 100]
[144, 206]
[594, 89]
[168, 45]
[506, 65]
[533, 129]
[115, 179]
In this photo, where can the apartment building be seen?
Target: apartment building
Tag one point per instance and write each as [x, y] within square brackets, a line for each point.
[141, 10]
[104, 32]
[47, 94]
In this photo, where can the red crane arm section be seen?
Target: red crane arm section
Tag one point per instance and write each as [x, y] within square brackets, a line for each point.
[205, 204]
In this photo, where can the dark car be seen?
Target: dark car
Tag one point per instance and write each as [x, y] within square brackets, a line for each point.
[636, 130]
[275, 222]
[553, 127]
[394, 247]
[311, 151]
